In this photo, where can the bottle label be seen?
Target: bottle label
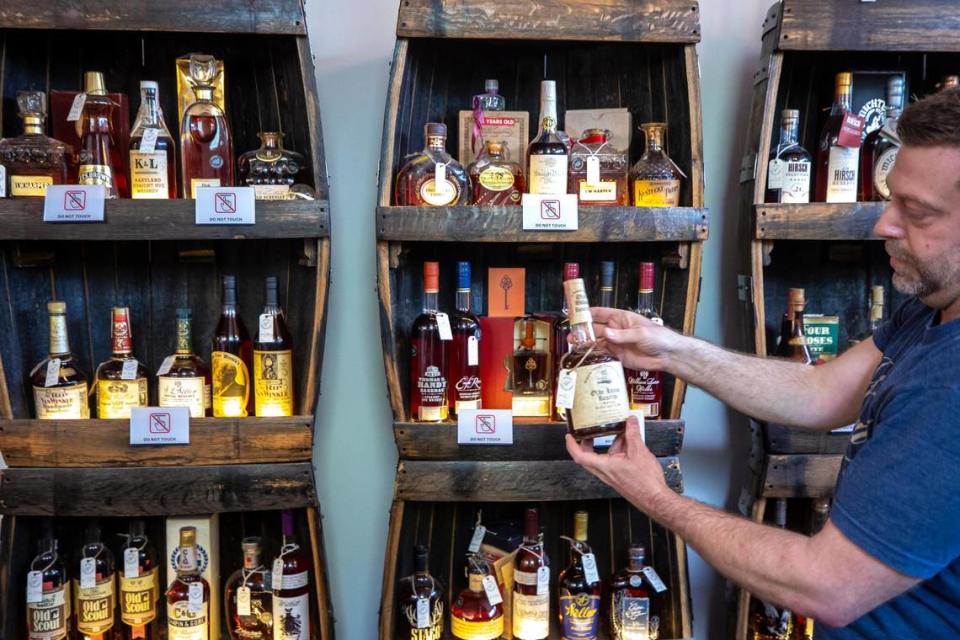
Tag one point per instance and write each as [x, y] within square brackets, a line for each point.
[842, 173]
[183, 392]
[95, 608]
[148, 175]
[231, 385]
[882, 169]
[196, 183]
[115, 398]
[579, 616]
[138, 598]
[468, 392]
[531, 616]
[184, 624]
[600, 396]
[645, 391]
[425, 619]
[470, 630]
[47, 619]
[548, 174]
[294, 581]
[291, 618]
[96, 174]
[29, 185]
[630, 617]
[439, 194]
[433, 394]
[656, 193]
[496, 179]
[603, 191]
[273, 382]
[272, 192]
[55, 403]
[795, 186]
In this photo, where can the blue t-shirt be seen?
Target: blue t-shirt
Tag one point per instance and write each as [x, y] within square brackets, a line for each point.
[898, 496]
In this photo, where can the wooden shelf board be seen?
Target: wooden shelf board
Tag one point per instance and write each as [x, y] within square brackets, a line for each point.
[105, 443]
[508, 481]
[800, 475]
[532, 440]
[785, 440]
[22, 219]
[817, 221]
[505, 224]
[147, 491]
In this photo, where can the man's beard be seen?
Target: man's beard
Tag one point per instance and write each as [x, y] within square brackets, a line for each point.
[923, 281]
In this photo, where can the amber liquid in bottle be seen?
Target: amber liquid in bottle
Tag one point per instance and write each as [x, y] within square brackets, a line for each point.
[206, 144]
[793, 342]
[634, 603]
[247, 602]
[49, 616]
[494, 178]
[464, 352]
[879, 152]
[579, 596]
[101, 161]
[547, 155]
[184, 378]
[428, 355]
[292, 617]
[273, 359]
[561, 329]
[153, 158]
[231, 359]
[655, 177]
[421, 182]
[188, 598]
[420, 600]
[122, 380]
[837, 165]
[531, 584]
[95, 588]
[33, 161]
[472, 617]
[59, 387]
[139, 578]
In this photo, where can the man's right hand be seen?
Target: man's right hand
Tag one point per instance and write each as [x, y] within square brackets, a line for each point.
[638, 342]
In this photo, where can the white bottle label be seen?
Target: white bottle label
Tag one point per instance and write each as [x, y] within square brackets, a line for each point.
[88, 573]
[566, 388]
[795, 187]
[129, 370]
[148, 174]
[775, 171]
[266, 328]
[548, 174]
[195, 597]
[34, 587]
[77, 107]
[842, 171]
[473, 351]
[166, 365]
[291, 618]
[423, 613]
[277, 576]
[3, 181]
[131, 562]
[531, 616]
[654, 579]
[590, 568]
[593, 170]
[148, 143]
[543, 580]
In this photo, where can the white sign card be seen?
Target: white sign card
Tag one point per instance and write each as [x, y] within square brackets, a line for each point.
[485, 426]
[550, 212]
[73, 203]
[159, 425]
[226, 205]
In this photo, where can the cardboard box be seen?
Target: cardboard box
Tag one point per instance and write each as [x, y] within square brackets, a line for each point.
[510, 127]
[208, 545]
[506, 292]
[823, 336]
[496, 350]
[618, 122]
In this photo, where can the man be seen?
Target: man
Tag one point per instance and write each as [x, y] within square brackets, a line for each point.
[887, 564]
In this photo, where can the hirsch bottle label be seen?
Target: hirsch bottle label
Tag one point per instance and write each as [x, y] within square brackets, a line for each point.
[184, 392]
[548, 174]
[600, 396]
[182, 624]
[439, 194]
[273, 382]
[531, 616]
[882, 169]
[54, 403]
[138, 598]
[656, 193]
[29, 185]
[115, 398]
[469, 630]
[95, 608]
[842, 172]
[95, 174]
[579, 616]
[795, 183]
[231, 388]
[47, 619]
[291, 618]
[148, 175]
[496, 179]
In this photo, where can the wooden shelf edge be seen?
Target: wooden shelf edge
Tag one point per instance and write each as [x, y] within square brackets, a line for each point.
[22, 219]
[531, 441]
[800, 475]
[105, 443]
[817, 221]
[505, 224]
[778, 439]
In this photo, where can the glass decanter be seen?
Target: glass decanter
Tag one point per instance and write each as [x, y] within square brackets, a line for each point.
[655, 177]
[494, 178]
[271, 170]
[206, 146]
[32, 160]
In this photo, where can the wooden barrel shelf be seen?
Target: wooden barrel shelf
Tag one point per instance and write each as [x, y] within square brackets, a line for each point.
[150, 256]
[829, 250]
[638, 56]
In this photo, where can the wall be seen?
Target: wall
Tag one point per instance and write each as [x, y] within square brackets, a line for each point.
[353, 42]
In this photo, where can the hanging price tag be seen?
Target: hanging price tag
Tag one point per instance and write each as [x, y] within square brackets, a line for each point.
[654, 579]
[148, 143]
[590, 568]
[34, 587]
[166, 365]
[243, 601]
[88, 573]
[543, 581]
[440, 174]
[3, 181]
[76, 109]
[131, 562]
[129, 371]
[53, 373]
[443, 324]
[566, 388]
[473, 351]
[277, 578]
[477, 538]
[423, 613]
[851, 131]
[492, 589]
[775, 172]
[593, 170]
[195, 597]
[266, 328]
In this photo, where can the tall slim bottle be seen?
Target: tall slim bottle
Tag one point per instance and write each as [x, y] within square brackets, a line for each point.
[788, 171]
[121, 380]
[291, 597]
[876, 307]
[95, 588]
[646, 387]
[429, 373]
[48, 593]
[153, 157]
[838, 164]
[183, 379]
[579, 592]
[465, 348]
[273, 358]
[608, 272]
[59, 387]
[101, 161]
[547, 154]
[231, 359]
[188, 598]
[531, 584]
[206, 144]
[139, 585]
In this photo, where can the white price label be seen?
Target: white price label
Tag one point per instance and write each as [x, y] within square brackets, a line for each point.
[566, 388]
[473, 351]
[440, 174]
[593, 170]
[148, 143]
[654, 579]
[166, 365]
[543, 580]
[277, 577]
[195, 597]
[492, 589]
[423, 613]
[604, 441]
[243, 601]
[129, 371]
[88, 573]
[131, 562]
[76, 109]
[74, 203]
[266, 328]
[225, 205]
[34, 587]
[443, 324]
[53, 373]
[477, 538]
[550, 212]
[590, 568]
[775, 172]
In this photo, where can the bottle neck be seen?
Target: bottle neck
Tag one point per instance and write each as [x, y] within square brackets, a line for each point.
[798, 323]
[204, 93]
[463, 300]
[120, 338]
[789, 133]
[548, 115]
[431, 301]
[636, 564]
[476, 582]
[436, 143]
[606, 297]
[841, 101]
[149, 113]
[187, 562]
[654, 140]
[251, 559]
[645, 300]
[184, 336]
[59, 343]
[32, 125]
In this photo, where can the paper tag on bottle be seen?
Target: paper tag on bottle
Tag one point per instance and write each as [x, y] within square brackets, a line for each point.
[195, 597]
[34, 587]
[166, 365]
[88, 573]
[566, 388]
[440, 173]
[423, 613]
[131, 562]
[148, 143]
[129, 371]
[473, 351]
[654, 579]
[492, 589]
[593, 170]
[3, 181]
[266, 328]
[443, 325]
[243, 601]
[76, 109]
[53, 373]
[775, 172]
[477, 538]
[590, 568]
[543, 581]
[277, 574]
[851, 131]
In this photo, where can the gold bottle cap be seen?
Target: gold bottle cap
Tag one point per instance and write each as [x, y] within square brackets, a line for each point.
[93, 83]
[844, 80]
[796, 297]
[580, 526]
[495, 148]
[57, 307]
[188, 536]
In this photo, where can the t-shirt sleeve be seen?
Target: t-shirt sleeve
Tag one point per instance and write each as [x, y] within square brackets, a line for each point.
[898, 499]
[900, 316]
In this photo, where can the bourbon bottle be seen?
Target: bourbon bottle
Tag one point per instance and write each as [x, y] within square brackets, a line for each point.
[464, 351]
[153, 157]
[655, 178]
[183, 379]
[32, 161]
[634, 603]
[101, 160]
[428, 355]
[793, 340]
[206, 144]
[598, 170]
[48, 593]
[788, 171]
[139, 586]
[247, 600]
[59, 387]
[95, 587]
[494, 178]
[291, 594]
[121, 381]
[432, 178]
[646, 387]
[472, 616]
[880, 147]
[188, 598]
[561, 328]
[547, 157]
[231, 359]
[578, 587]
[531, 363]
[421, 601]
[838, 158]
[273, 359]
[531, 583]
[272, 170]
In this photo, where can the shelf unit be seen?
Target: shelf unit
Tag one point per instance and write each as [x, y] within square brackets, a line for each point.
[828, 249]
[638, 56]
[150, 256]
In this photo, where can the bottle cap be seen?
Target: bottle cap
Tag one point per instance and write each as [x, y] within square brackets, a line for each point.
[780, 515]
[646, 277]
[637, 554]
[286, 517]
[93, 83]
[789, 115]
[796, 298]
[431, 277]
[270, 285]
[844, 80]
[188, 536]
[57, 307]
[463, 275]
[251, 545]
[495, 148]
[229, 290]
[607, 269]
[594, 136]
[571, 270]
[435, 129]
[421, 558]
[491, 86]
[149, 84]
[895, 88]
[531, 521]
[32, 104]
[184, 313]
[548, 90]
[580, 526]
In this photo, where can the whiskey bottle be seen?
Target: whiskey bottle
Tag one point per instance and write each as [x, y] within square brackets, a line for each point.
[188, 598]
[59, 387]
[48, 593]
[428, 355]
[547, 154]
[183, 379]
[490, 99]
[121, 381]
[272, 170]
[839, 152]
[291, 588]
[598, 170]
[876, 308]
[608, 270]
[153, 158]
[494, 178]
[231, 359]
[95, 588]
[793, 341]
[139, 586]
[655, 177]
[646, 387]
[206, 144]
[561, 329]
[767, 621]
[32, 161]
[788, 172]
[464, 351]
[432, 178]
[247, 601]
[421, 601]
[472, 615]
[948, 82]
[591, 379]
[531, 584]
[578, 587]
[634, 603]
[100, 157]
[273, 359]
[881, 146]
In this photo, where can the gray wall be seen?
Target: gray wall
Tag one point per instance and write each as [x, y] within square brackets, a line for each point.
[353, 43]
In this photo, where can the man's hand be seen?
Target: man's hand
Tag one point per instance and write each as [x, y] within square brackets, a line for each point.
[638, 342]
[628, 466]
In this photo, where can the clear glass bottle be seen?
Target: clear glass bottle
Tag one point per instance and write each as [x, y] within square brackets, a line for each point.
[432, 178]
[95, 587]
[188, 598]
[121, 381]
[247, 601]
[292, 617]
[788, 171]
[31, 161]
[101, 160]
[645, 388]
[273, 170]
[472, 617]
[561, 329]
[273, 358]
[420, 600]
[231, 359]
[655, 178]
[206, 143]
[59, 387]
[880, 147]
[768, 621]
[464, 351]
[139, 585]
[598, 171]
[49, 615]
[153, 155]
[634, 603]
[494, 178]
[547, 154]
[531, 583]
[579, 596]
[837, 164]
[183, 379]
[429, 374]
[490, 99]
